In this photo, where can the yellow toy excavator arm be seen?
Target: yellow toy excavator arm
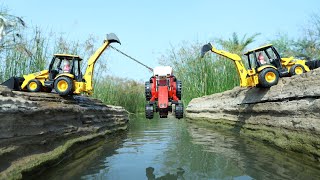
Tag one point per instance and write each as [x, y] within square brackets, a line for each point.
[111, 38]
[242, 71]
[209, 47]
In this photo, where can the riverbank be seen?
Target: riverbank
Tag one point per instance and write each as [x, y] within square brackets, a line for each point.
[39, 130]
[286, 115]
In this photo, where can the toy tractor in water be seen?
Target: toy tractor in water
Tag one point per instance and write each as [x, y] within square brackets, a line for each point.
[265, 65]
[163, 91]
[64, 74]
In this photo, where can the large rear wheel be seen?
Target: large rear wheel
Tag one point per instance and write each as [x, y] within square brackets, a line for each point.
[34, 85]
[268, 77]
[147, 90]
[179, 110]
[149, 111]
[179, 89]
[63, 86]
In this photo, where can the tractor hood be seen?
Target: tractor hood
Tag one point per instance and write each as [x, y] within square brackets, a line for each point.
[113, 38]
[205, 48]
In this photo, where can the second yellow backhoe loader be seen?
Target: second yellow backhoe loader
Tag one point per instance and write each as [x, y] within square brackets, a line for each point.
[265, 65]
[64, 74]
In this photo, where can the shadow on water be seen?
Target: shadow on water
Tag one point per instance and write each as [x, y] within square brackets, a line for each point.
[173, 149]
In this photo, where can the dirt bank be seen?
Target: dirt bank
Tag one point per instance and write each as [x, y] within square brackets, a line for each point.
[286, 115]
[38, 130]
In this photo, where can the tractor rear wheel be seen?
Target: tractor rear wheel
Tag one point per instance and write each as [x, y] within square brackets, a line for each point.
[149, 111]
[268, 77]
[179, 110]
[34, 85]
[296, 69]
[147, 90]
[63, 86]
[179, 89]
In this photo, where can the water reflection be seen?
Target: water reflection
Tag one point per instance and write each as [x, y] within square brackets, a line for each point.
[168, 176]
[253, 158]
[174, 149]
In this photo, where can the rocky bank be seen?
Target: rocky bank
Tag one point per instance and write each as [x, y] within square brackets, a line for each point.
[286, 115]
[38, 130]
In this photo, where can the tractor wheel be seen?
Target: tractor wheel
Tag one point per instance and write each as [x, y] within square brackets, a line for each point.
[149, 111]
[268, 77]
[179, 110]
[179, 89]
[296, 69]
[34, 85]
[148, 90]
[63, 86]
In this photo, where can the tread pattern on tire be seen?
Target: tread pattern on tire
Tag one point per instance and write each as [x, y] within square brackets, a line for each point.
[179, 111]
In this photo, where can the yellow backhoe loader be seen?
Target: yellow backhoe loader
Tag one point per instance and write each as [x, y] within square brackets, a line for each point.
[64, 74]
[265, 65]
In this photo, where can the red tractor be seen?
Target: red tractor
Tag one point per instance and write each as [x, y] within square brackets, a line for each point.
[162, 91]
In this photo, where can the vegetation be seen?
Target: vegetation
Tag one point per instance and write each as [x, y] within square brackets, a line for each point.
[121, 92]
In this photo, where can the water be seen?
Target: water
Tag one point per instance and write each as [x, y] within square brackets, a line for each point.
[174, 149]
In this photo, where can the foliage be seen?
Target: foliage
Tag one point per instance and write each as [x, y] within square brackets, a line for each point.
[121, 92]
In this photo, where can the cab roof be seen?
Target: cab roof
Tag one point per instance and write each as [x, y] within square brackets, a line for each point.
[259, 48]
[68, 56]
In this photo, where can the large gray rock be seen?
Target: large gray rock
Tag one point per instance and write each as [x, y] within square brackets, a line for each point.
[286, 115]
[37, 123]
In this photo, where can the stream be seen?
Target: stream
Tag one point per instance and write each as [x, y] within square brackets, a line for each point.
[175, 149]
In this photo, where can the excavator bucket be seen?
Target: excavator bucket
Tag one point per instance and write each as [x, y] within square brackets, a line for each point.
[13, 83]
[313, 64]
[205, 48]
[113, 38]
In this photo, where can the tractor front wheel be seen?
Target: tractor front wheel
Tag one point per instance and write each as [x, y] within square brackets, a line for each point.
[34, 85]
[149, 111]
[268, 77]
[297, 69]
[63, 86]
[179, 110]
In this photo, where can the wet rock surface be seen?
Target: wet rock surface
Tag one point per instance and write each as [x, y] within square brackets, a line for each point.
[287, 115]
[35, 123]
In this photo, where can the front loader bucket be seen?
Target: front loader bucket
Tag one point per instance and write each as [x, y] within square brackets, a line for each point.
[13, 83]
[205, 48]
[314, 64]
[113, 38]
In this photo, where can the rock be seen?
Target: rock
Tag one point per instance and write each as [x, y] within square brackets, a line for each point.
[286, 115]
[34, 124]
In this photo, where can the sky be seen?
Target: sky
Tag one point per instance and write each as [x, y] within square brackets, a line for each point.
[148, 29]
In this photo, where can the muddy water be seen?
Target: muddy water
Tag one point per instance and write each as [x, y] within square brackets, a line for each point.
[175, 149]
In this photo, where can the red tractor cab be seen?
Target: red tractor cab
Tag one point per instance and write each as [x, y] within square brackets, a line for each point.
[162, 91]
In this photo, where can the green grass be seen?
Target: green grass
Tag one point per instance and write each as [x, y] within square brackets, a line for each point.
[121, 92]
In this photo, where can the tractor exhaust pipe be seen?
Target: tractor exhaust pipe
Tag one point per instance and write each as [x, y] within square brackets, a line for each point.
[205, 48]
[13, 83]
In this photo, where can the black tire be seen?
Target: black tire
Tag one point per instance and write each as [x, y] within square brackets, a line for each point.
[63, 86]
[149, 111]
[34, 85]
[147, 91]
[296, 69]
[179, 111]
[268, 77]
[179, 89]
